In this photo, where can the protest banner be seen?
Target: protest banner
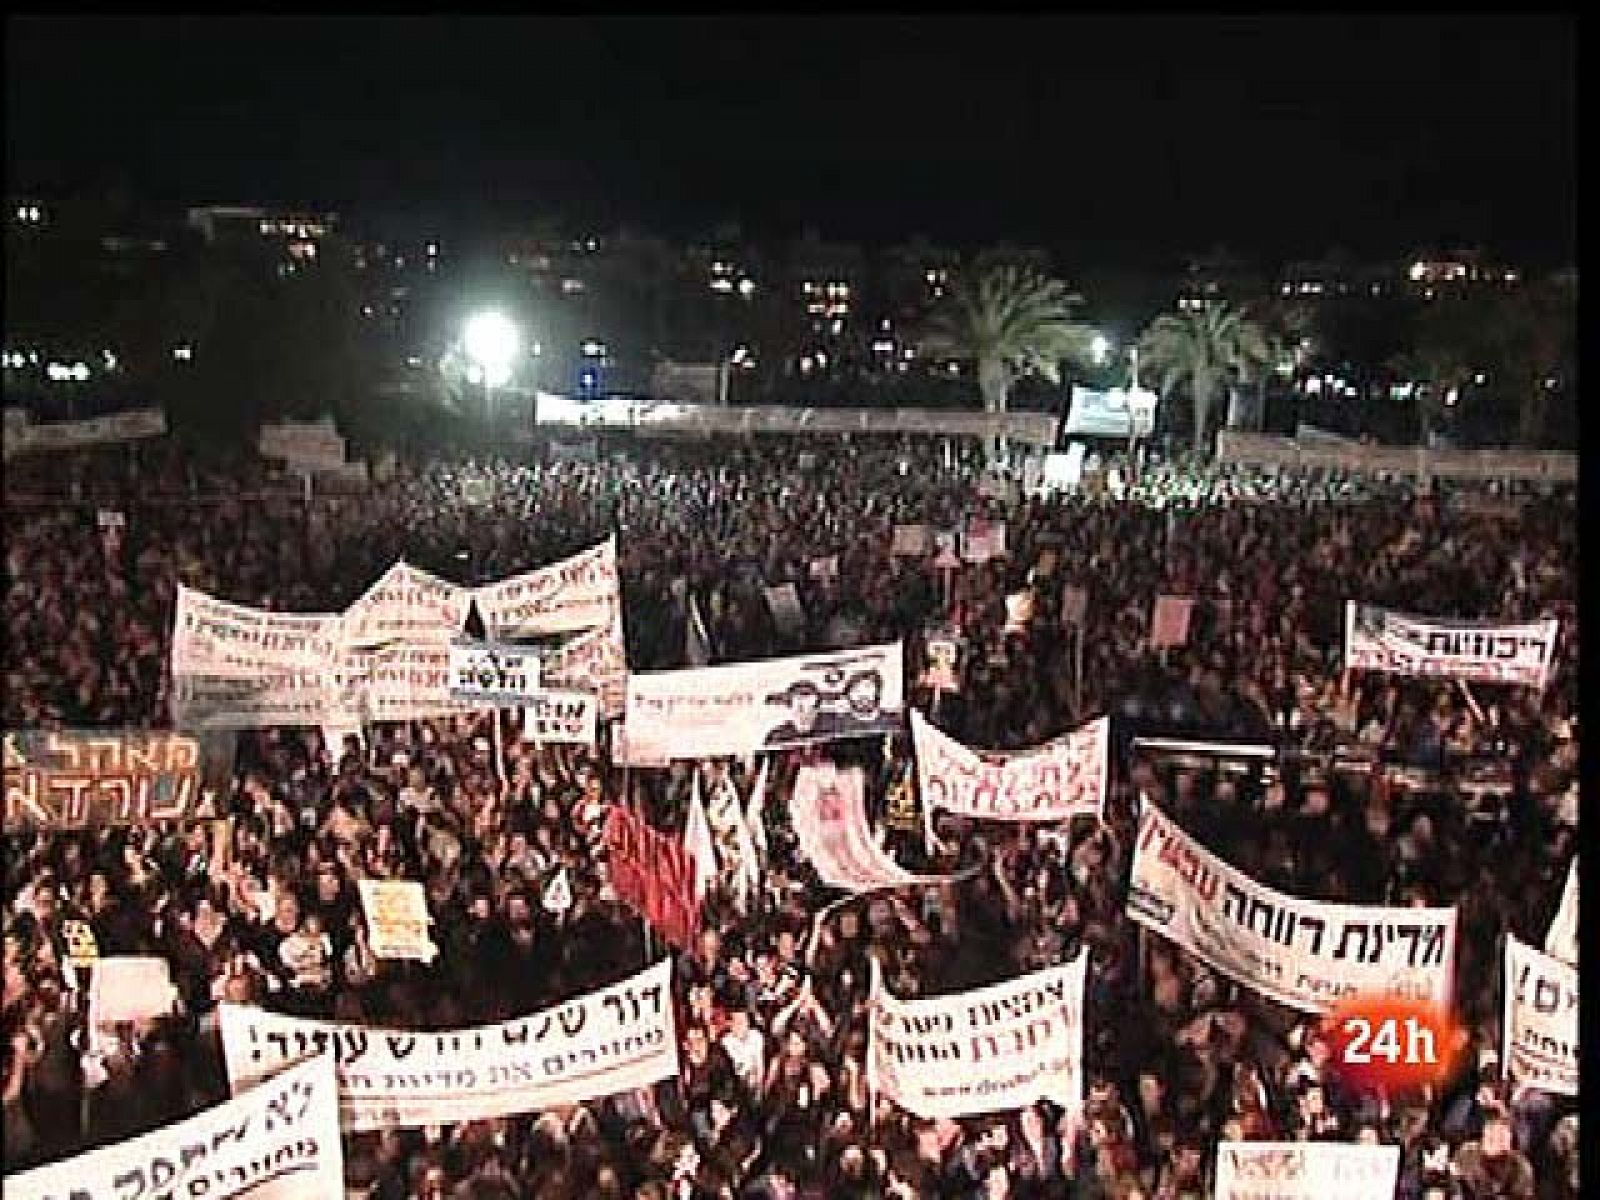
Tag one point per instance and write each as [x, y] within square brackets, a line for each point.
[613, 1040]
[493, 674]
[830, 820]
[1540, 1020]
[289, 698]
[397, 919]
[1377, 639]
[653, 875]
[1306, 1171]
[129, 426]
[1561, 941]
[596, 661]
[73, 778]
[278, 1141]
[942, 650]
[739, 708]
[994, 1049]
[213, 637]
[1304, 954]
[577, 593]
[130, 988]
[1169, 621]
[82, 947]
[1074, 606]
[824, 569]
[406, 604]
[911, 541]
[563, 718]
[1019, 612]
[406, 681]
[787, 613]
[1064, 778]
[306, 445]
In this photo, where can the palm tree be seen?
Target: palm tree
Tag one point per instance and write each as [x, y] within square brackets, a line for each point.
[1204, 350]
[1435, 369]
[1012, 322]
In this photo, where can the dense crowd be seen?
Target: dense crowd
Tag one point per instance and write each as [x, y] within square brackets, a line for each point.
[1376, 796]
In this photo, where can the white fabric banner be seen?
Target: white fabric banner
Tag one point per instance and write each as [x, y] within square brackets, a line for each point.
[309, 444]
[493, 674]
[830, 820]
[568, 718]
[278, 1141]
[407, 604]
[577, 593]
[740, 708]
[397, 919]
[1306, 1171]
[613, 1040]
[69, 435]
[1303, 954]
[235, 641]
[1562, 939]
[1376, 639]
[1540, 1020]
[1062, 779]
[991, 1050]
[597, 662]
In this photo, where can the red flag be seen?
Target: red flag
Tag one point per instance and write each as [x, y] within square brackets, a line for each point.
[653, 875]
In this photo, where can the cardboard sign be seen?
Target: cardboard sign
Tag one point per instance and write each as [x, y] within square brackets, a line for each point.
[397, 919]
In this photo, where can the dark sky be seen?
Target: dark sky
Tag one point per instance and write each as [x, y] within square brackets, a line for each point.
[1126, 137]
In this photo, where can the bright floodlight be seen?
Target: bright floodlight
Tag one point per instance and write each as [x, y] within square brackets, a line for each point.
[1099, 348]
[492, 341]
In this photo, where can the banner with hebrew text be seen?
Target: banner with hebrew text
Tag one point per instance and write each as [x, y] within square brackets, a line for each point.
[830, 820]
[278, 1141]
[1304, 954]
[1057, 781]
[1306, 1171]
[613, 1040]
[1376, 639]
[1540, 1020]
[72, 778]
[577, 593]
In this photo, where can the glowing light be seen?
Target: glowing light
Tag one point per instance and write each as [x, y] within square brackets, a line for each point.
[1099, 349]
[492, 342]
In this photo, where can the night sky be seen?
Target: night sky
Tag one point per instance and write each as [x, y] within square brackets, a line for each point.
[1133, 138]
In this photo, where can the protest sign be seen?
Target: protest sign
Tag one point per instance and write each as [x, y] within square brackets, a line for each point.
[1019, 612]
[1306, 1171]
[740, 708]
[69, 435]
[824, 569]
[493, 674]
[564, 718]
[787, 613]
[596, 661]
[984, 539]
[1377, 639]
[1169, 621]
[82, 947]
[1062, 779]
[213, 637]
[613, 1040]
[1074, 606]
[278, 1141]
[406, 604]
[911, 541]
[995, 1049]
[830, 819]
[943, 653]
[1304, 954]
[1540, 1020]
[577, 593]
[72, 778]
[654, 875]
[397, 919]
[130, 988]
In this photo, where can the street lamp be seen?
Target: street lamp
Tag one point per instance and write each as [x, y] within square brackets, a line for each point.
[491, 341]
[1099, 348]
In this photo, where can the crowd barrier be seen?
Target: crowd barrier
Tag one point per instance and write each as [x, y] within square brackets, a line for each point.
[1267, 450]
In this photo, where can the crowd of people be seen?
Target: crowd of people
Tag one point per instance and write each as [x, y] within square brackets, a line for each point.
[1383, 790]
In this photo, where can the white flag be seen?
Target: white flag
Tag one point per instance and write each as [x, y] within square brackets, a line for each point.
[697, 841]
[755, 816]
[558, 893]
[1562, 940]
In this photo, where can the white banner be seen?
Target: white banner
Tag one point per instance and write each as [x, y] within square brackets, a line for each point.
[278, 698]
[613, 1040]
[991, 1050]
[1303, 954]
[830, 820]
[597, 662]
[581, 592]
[983, 540]
[397, 919]
[569, 718]
[407, 604]
[278, 1141]
[493, 674]
[1269, 450]
[311, 445]
[69, 435]
[1062, 779]
[1306, 1171]
[1376, 639]
[1540, 1020]
[234, 641]
[1561, 941]
[740, 708]
[911, 541]
[407, 681]
[130, 988]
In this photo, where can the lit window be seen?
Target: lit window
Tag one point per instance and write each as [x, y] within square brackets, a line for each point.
[433, 249]
[747, 287]
[571, 286]
[1419, 272]
[183, 353]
